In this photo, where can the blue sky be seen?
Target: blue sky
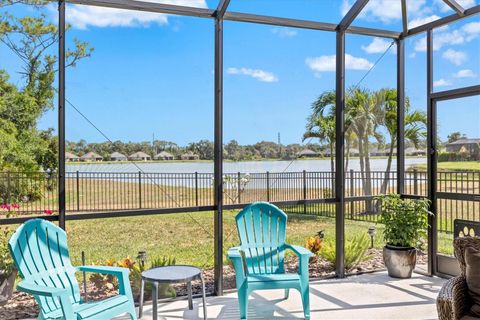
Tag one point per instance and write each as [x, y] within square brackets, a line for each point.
[152, 73]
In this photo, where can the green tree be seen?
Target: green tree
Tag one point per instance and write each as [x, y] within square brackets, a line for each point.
[454, 136]
[415, 127]
[30, 38]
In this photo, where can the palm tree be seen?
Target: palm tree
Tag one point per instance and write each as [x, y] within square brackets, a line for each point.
[323, 128]
[415, 127]
[321, 123]
[364, 111]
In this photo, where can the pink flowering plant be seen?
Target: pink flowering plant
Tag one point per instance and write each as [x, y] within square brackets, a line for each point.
[9, 209]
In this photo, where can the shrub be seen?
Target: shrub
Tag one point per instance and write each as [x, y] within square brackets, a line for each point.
[164, 290]
[405, 220]
[314, 244]
[109, 282]
[7, 266]
[355, 251]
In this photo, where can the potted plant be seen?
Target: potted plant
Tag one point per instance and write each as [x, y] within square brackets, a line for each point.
[406, 223]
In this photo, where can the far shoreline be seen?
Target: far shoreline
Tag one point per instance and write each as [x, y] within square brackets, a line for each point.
[226, 160]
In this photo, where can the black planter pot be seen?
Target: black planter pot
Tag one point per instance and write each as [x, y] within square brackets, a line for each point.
[400, 261]
[7, 283]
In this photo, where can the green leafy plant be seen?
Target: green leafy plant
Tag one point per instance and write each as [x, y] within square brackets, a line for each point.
[355, 251]
[7, 266]
[108, 282]
[405, 220]
[314, 243]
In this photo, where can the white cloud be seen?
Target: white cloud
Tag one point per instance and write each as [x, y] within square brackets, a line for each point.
[378, 45]
[81, 16]
[455, 57]
[258, 74]
[386, 11]
[328, 63]
[441, 39]
[442, 83]
[284, 32]
[465, 73]
[422, 20]
[464, 3]
[472, 30]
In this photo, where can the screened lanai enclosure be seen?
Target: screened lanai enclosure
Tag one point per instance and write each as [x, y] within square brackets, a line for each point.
[207, 202]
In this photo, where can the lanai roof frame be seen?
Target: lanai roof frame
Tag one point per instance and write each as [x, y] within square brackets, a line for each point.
[220, 14]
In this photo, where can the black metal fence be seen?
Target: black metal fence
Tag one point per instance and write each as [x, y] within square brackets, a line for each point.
[36, 193]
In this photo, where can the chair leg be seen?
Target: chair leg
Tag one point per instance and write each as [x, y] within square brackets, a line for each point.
[306, 301]
[243, 303]
[287, 293]
[133, 312]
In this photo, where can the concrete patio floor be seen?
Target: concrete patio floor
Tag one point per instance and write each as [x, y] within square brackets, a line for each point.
[367, 296]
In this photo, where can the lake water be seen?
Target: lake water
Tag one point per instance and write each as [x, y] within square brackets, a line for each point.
[231, 167]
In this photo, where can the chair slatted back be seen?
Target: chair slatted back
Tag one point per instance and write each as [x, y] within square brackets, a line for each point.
[261, 227]
[39, 249]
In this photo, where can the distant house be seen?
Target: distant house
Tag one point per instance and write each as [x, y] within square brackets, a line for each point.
[378, 153]
[354, 152]
[414, 152]
[466, 146]
[307, 153]
[70, 157]
[91, 157]
[190, 156]
[139, 156]
[117, 156]
[326, 153]
[164, 155]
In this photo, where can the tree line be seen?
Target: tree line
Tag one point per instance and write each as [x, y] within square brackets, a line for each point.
[203, 148]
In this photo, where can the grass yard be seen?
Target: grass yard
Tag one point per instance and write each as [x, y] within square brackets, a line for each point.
[454, 166]
[188, 237]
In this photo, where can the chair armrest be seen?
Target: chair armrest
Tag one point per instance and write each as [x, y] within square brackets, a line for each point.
[303, 255]
[453, 301]
[35, 289]
[121, 274]
[299, 250]
[115, 271]
[61, 294]
[235, 255]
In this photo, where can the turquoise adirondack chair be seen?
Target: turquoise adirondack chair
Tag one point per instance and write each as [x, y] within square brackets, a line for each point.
[259, 260]
[39, 249]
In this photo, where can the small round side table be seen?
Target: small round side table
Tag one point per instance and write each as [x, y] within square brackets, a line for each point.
[169, 275]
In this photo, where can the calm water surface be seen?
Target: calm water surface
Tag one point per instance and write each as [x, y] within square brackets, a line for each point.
[231, 167]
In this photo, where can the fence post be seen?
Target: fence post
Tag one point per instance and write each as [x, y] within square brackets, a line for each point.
[268, 186]
[239, 187]
[304, 177]
[196, 188]
[140, 189]
[8, 188]
[415, 182]
[78, 190]
[352, 193]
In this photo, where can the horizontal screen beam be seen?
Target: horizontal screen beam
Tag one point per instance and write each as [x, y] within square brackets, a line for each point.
[232, 16]
[147, 7]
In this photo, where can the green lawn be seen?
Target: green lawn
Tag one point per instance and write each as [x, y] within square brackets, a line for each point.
[188, 237]
[454, 166]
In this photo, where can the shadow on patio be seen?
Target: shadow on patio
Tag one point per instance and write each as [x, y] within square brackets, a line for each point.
[367, 296]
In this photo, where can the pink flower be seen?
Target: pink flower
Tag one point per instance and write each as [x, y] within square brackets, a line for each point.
[15, 206]
[48, 211]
